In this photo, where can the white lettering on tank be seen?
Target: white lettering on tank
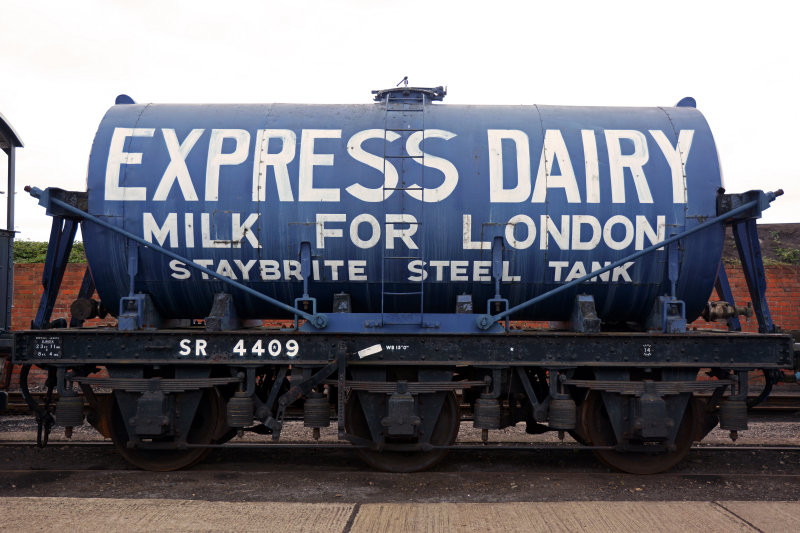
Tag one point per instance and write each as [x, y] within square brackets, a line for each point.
[592, 166]
[507, 272]
[204, 263]
[375, 227]
[291, 269]
[466, 236]
[217, 158]
[481, 271]
[269, 269]
[557, 265]
[548, 229]
[622, 272]
[188, 223]
[417, 269]
[439, 266]
[444, 166]
[597, 266]
[404, 234]
[643, 228]
[577, 271]
[577, 222]
[169, 229]
[355, 270]
[179, 270]
[278, 161]
[497, 192]
[511, 232]
[176, 169]
[240, 231]
[676, 157]
[118, 157]
[323, 232]
[555, 150]
[224, 269]
[458, 270]
[245, 267]
[390, 178]
[608, 237]
[205, 231]
[617, 163]
[309, 160]
[334, 265]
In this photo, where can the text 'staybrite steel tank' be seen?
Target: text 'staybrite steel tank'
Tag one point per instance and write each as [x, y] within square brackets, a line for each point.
[404, 192]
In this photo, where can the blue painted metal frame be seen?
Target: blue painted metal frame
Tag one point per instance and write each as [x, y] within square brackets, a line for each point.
[62, 235]
[745, 232]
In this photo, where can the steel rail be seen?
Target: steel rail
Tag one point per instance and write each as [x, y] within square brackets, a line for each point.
[491, 446]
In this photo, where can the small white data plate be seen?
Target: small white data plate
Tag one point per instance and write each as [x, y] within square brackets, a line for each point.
[372, 350]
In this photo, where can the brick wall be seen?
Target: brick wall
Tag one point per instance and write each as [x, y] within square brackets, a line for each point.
[28, 291]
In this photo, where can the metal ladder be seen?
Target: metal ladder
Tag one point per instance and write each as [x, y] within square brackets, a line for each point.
[405, 116]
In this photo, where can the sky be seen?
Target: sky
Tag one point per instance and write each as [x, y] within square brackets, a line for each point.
[63, 63]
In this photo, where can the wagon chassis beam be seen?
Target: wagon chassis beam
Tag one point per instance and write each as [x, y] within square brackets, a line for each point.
[721, 349]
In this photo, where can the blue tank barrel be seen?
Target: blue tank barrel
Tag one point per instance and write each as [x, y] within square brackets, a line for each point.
[410, 197]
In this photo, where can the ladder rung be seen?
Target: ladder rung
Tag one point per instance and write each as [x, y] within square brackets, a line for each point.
[403, 157]
[402, 257]
[404, 110]
[405, 129]
[402, 188]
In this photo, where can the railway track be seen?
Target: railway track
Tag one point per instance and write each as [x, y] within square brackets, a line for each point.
[488, 447]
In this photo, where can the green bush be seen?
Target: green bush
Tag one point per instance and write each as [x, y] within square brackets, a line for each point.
[788, 255]
[36, 252]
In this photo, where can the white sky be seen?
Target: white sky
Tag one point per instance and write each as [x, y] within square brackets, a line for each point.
[63, 63]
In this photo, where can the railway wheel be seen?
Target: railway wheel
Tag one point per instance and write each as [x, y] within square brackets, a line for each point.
[444, 434]
[206, 428]
[596, 427]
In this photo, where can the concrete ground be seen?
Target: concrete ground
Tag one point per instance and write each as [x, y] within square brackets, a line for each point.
[90, 488]
[146, 515]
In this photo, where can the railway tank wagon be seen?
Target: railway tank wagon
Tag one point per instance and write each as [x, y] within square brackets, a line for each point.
[400, 238]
